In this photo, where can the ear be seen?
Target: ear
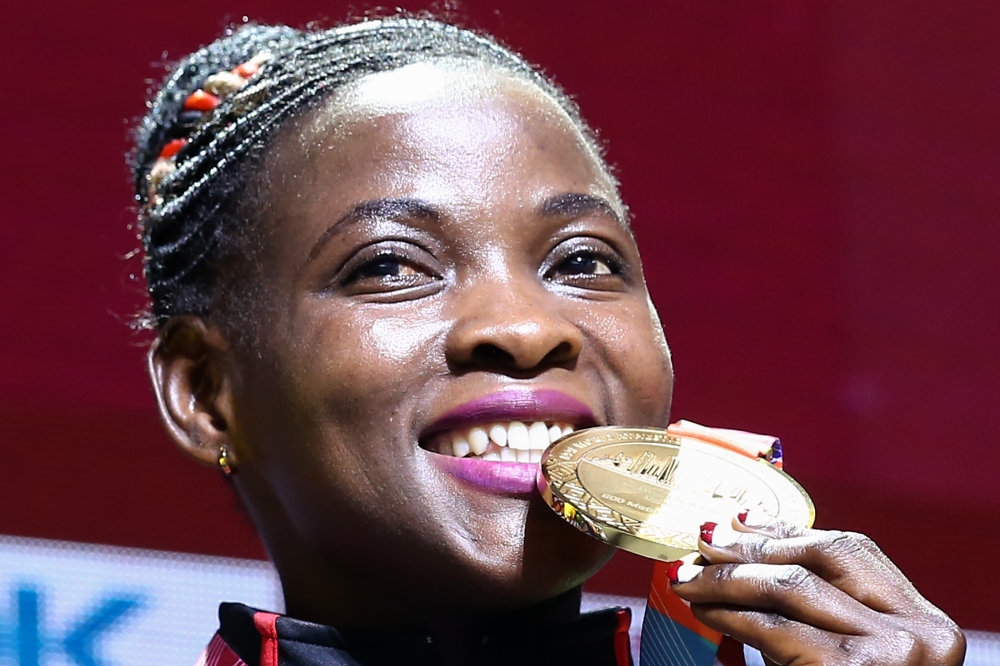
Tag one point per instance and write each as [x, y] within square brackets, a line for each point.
[186, 365]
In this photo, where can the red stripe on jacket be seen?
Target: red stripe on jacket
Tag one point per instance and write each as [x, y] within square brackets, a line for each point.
[219, 654]
[267, 626]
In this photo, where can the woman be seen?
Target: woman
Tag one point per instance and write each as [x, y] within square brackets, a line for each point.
[373, 253]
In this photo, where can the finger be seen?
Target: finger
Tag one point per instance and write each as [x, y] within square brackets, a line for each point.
[786, 589]
[761, 523]
[850, 562]
[787, 641]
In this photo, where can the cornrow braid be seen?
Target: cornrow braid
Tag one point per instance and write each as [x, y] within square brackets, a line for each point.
[194, 169]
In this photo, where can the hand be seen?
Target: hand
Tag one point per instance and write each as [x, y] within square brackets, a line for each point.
[809, 597]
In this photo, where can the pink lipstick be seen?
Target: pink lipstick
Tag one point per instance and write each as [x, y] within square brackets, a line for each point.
[517, 405]
[501, 478]
[521, 422]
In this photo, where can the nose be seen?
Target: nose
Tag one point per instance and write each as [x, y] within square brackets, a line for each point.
[511, 328]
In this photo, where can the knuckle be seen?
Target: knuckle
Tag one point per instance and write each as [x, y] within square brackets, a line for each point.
[900, 647]
[850, 543]
[956, 645]
[720, 573]
[864, 543]
[791, 578]
[954, 636]
[753, 548]
[907, 648]
[846, 554]
[770, 621]
[858, 651]
[850, 648]
[946, 643]
[854, 651]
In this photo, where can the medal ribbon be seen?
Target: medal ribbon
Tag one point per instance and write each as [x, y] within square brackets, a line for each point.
[671, 635]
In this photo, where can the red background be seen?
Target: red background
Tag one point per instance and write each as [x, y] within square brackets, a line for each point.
[815, 188]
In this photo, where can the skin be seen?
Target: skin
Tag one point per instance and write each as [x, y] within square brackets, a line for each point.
[805, 597]
[431, 235]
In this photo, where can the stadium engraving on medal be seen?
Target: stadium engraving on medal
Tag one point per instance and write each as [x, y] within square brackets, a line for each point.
[648, 491]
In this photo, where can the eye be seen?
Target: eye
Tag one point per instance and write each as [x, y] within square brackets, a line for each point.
[587, 263]
[583, 263]
[385, 267]
[392, 269]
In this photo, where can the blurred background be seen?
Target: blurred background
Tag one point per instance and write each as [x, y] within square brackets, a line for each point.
[816, 191]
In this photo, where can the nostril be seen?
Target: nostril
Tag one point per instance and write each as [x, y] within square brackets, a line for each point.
[561, 353]
[491, 354]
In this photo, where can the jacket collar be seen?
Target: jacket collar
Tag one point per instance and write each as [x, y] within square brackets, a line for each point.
[251, 637]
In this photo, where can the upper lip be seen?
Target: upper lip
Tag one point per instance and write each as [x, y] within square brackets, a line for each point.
[524, 405]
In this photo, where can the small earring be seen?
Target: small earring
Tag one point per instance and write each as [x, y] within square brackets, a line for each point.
[224, 460]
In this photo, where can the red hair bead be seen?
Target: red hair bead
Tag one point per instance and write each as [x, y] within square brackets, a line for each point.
[171, 148]
[247, 69]
[200, 100]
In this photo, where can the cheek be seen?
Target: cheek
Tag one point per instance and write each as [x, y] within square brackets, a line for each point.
[634, 350]
[337, 380]
[367, 357]
[342, 385]
[404, 343]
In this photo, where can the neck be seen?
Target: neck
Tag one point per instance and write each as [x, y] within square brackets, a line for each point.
[363, 604]
[456, 635]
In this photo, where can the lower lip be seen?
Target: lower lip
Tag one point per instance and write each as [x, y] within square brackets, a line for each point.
[502, 478]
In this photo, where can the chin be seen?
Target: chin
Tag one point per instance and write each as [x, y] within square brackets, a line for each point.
[556, 554]
[554, 558]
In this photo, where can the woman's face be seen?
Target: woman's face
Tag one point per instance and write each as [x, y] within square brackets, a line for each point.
[442, 255]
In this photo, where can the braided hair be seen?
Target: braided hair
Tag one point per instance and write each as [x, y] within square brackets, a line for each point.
[195, 169]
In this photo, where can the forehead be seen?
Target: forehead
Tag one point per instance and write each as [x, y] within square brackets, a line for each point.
[453, 132]
[424, 85]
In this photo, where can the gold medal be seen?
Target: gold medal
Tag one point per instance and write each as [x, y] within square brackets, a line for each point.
[648, 491]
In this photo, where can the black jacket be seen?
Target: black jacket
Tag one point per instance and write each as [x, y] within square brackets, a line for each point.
[248, 637]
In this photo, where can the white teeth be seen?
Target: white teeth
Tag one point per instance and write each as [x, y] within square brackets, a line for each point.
[460, 445]
[511, 441]
[517, 436]
[538, 433]
[478, 441]
[498, 434]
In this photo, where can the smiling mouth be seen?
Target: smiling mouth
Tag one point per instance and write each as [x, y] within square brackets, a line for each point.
[500, 441]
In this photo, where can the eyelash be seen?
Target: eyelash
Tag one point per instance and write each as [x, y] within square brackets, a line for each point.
[395, 266]
[381, 261]
[591, 263]
[594, 251]
[609, 263]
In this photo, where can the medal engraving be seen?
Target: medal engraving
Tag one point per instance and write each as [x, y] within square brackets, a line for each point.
[648, 492]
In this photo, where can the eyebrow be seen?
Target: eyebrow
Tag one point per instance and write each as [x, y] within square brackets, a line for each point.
[377, 209]
[567, 205]
[574, 204]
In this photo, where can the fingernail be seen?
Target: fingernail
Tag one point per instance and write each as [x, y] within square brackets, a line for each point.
[680, 572]
[718, 535]
[706, 531]
[688, 572]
